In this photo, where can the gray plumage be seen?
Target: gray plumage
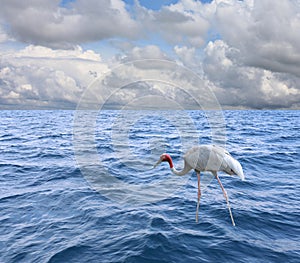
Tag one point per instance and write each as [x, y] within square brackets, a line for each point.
[210, 158]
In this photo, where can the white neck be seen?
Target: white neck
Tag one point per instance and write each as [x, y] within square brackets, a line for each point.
[184, 171]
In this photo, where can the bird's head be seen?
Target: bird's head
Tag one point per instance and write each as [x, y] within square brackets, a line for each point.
[164, 158]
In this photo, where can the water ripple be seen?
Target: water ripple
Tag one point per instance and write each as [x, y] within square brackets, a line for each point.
[49, 212]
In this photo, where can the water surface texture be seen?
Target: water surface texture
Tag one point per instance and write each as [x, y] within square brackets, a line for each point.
[51, 212]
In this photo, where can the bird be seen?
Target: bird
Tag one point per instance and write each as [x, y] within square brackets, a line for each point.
[211, 158]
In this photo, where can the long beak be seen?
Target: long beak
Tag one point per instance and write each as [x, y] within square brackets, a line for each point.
[158, 162]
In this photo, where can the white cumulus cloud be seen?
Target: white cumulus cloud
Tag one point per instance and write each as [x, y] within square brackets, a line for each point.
[49, 24]
[265, 32]
[251, 87]
[247, 52]
[42, 77]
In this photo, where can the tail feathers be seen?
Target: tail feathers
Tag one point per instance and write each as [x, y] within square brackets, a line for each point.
[235, 166]
[238, 170]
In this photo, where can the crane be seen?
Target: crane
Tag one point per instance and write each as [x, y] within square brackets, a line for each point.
[210, 158]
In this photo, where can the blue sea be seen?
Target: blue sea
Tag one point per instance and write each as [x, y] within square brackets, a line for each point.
[79, 187]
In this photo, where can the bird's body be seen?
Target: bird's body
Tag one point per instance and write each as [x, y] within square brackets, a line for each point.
[210, 158]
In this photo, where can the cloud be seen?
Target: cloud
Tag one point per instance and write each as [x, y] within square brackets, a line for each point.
[52, 25]
[187, 56]
[147, 52]
[183, 22]
[257, 62]
[3, 35]
[40, 52]
[251, 61]
[144, 74]
[38, 77]
[265, 32]
[83, 21]
[239, 85]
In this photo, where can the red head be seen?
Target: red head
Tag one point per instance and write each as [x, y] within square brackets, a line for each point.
[165, 158]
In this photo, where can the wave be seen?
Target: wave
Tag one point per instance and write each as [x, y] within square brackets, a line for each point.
[51, 212]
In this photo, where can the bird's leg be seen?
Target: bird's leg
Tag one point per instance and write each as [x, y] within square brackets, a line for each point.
[226, 197]
[199, 196]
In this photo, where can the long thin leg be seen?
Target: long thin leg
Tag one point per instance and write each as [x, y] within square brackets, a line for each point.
[226, 197]
[199, 196]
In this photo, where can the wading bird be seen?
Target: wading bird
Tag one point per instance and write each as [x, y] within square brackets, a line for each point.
[210, 158]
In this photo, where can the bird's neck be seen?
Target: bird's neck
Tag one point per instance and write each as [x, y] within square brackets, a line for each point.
[184, 171]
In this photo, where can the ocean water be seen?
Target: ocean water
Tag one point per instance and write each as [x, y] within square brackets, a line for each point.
[75, 188]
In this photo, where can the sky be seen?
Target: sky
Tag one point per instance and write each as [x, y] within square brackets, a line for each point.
[246, 53]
